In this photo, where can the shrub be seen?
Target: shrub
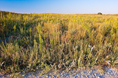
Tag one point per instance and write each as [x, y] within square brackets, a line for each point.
[99, 13]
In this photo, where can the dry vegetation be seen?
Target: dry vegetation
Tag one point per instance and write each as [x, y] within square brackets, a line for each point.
[38, 41]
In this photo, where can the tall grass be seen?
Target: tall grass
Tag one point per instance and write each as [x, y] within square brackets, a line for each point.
[45, 41]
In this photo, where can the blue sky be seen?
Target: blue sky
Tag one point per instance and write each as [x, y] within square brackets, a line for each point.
[60, 6]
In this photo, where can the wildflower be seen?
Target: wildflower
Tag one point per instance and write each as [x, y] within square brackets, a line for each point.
[96, 59]
[103, 59]
[91, 47]
[89, 63]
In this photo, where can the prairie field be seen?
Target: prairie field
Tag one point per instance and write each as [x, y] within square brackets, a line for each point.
[57, 41]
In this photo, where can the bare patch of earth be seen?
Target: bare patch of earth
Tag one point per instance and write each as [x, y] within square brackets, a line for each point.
[94, 72]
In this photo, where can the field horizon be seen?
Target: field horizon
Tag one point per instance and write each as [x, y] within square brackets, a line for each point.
[59, 13]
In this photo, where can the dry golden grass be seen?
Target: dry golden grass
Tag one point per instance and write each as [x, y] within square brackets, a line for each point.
[37, 41]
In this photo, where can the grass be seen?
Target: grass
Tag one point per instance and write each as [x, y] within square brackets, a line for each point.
[59, 41]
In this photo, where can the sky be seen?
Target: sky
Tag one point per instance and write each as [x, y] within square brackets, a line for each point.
[60, 6]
